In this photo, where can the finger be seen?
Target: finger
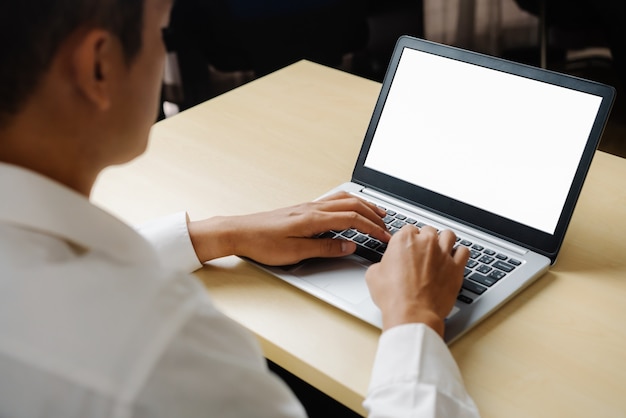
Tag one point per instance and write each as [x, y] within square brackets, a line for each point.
[461, 254]
[354, 220]
[322, 221]
[408, 230]
[428, 230]
[369, 210]
[447, 239]
[343, 201]
[335, 196]
[323, 247]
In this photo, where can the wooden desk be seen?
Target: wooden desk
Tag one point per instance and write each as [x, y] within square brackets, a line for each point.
[558, 349]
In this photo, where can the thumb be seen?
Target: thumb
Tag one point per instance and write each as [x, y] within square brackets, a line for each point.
[327, 247]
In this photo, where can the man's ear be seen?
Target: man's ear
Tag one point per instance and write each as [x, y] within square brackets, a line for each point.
[96, 61]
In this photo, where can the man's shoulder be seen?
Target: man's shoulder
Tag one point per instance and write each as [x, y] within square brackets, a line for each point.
[94, 323]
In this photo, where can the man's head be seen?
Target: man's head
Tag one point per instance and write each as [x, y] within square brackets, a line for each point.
[32, 31]
[79, 83]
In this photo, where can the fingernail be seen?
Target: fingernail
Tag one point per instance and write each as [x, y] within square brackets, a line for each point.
[347, 247]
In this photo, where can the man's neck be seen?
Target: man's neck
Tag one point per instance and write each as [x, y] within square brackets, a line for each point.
[56, 160]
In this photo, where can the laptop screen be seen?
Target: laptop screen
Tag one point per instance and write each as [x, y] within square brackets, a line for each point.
[497, 145]
[484, 137]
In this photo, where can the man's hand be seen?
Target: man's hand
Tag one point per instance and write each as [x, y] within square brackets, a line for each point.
[418, 277]
[287, 236]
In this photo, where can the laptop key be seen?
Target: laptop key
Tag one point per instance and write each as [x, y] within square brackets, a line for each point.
[368, 254]
[398, 224]
[484, 269]
[484, 280]
[372, 244]
[465, 299]
[361, 239]
[473, 287]
[503, 266]
[497, 274]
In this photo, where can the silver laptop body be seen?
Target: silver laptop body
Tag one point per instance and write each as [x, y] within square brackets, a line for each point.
[494, 150]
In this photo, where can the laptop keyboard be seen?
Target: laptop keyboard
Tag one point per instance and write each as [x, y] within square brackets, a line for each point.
[484, 268]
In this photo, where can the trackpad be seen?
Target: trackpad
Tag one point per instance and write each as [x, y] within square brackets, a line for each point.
[342, 277]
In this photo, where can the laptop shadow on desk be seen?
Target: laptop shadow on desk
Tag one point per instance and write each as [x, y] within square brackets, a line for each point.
[509, 308]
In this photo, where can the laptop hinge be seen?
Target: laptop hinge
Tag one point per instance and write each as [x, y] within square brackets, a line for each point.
[444, 222]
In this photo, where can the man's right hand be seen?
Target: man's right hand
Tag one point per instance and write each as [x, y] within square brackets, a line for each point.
[418, 278]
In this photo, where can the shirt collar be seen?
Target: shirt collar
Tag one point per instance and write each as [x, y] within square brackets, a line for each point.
[30, 200]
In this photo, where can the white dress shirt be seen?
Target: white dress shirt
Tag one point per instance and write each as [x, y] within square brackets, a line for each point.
[97, 321]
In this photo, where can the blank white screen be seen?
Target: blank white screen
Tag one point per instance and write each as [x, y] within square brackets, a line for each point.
[496, 141]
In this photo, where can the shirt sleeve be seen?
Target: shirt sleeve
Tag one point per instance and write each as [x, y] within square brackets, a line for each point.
[415, 375]
[170, 237]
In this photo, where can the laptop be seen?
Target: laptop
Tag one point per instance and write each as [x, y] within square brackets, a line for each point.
[494, 150]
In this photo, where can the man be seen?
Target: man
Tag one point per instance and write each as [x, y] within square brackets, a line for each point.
[92, 322]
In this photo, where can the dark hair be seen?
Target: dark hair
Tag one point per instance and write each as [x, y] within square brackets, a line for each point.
[31, 32]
